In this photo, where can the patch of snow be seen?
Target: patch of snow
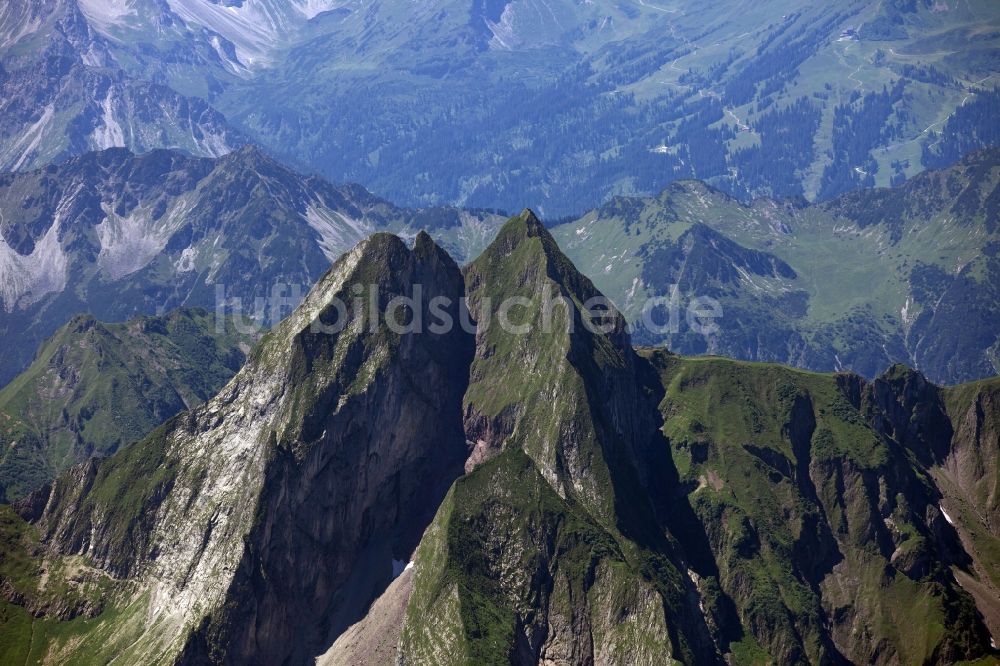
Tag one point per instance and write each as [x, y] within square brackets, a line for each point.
[946, 516]
[903, 311]
[630, 294]
[185, 263]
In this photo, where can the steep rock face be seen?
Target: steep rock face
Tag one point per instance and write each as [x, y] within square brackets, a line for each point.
[550, 549]
[904, 406]
[289, 494]
[94, 387]
[969, 479]
[974, 455]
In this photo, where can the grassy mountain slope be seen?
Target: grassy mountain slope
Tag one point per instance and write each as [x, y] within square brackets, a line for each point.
[94, 387]
[824, 532]
[871, 278]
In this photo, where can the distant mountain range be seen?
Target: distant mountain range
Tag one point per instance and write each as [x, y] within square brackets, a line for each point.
[116, 235]
[871, 278]
[874, 277]
[377, 496]
[553, 103]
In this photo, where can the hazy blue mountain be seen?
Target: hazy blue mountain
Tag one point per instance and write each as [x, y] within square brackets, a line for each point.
[905, 274]
[555, 103]
[63, 92]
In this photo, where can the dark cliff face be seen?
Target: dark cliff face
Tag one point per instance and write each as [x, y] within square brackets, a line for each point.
[350, 487]
[905, 407]
[347, 442]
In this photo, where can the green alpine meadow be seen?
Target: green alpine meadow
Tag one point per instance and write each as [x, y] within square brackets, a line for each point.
[287, 380]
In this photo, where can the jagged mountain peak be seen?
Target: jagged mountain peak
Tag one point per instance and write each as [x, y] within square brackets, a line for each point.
[911, 411]
[518, 230]
[529, 222]
[250, 154]
[524, 247]
[270, 458]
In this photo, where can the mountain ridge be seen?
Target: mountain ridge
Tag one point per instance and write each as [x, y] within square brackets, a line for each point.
[135, 221]
[149, 233]
[614, 504]
[94, 387]
[871, 278]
